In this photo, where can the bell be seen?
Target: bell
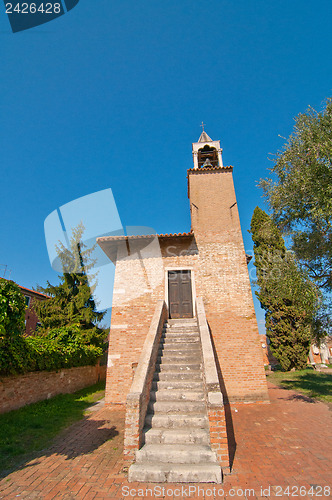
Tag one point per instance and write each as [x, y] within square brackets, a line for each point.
[207, 163]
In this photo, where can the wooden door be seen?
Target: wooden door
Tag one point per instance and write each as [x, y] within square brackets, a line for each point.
[180, 294]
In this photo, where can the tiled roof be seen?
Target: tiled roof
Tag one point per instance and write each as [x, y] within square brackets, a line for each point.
[171, 235]
[230, 167]
[33, 291]
[139, 236]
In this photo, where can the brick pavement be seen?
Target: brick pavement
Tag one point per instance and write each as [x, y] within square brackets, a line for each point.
[284, 444]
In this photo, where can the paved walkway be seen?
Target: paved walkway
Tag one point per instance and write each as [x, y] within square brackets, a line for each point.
[286, 444]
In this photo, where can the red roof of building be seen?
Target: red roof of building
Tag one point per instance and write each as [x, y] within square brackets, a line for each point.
[24, 289]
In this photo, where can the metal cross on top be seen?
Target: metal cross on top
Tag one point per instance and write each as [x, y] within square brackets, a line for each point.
[203, 125]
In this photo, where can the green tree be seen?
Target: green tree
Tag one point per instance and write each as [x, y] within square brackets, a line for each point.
[71, 302]
[14, 357]
[300, 195]
[12, 309]
[286, 293]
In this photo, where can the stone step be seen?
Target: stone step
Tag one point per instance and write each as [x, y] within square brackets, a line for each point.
[178, 375]
[178, 385]
[167, 366]
[176, 407]
[192, 329]
[182, 330]
[179, 338]
[176, 454]
[175, 473]
[173, 395]
[180, 349]
[180, 325]
[182, 321]
[176, 436]
[174, 353]
[176, 335]
[184, 358]
[177, 421]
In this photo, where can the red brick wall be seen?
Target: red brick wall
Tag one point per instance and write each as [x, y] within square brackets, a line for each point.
[218, 435]
[213, 202]
[21, 390]
[129, 327]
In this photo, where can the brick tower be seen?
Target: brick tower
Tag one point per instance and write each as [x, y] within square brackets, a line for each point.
[223, 279]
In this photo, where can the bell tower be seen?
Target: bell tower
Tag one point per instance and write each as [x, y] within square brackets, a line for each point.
[222, 277]
[211, 191]
[206, 152]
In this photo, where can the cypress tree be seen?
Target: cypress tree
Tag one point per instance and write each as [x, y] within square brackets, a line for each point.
[287, 295]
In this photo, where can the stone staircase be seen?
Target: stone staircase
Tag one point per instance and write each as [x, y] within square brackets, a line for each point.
[176, 433]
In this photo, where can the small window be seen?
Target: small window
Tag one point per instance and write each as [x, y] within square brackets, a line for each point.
[27, 300]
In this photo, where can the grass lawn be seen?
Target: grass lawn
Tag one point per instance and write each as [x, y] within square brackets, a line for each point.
[317, 385]
[33, 427]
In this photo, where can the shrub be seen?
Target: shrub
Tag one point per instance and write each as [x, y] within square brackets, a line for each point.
[48, 354]
[12, 309]
[14, 355]
[62, 348]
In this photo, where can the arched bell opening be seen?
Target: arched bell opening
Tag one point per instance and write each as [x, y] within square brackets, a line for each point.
[207, 157]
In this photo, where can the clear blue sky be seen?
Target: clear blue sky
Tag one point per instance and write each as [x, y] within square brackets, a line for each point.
[112, 94]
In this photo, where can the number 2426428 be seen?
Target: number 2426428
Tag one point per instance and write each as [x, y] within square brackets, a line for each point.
[32, 8]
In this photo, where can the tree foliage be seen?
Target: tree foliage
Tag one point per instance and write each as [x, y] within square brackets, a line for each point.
[13, 356]
[300, 197]
[71, 302]
[12, 309]
[286, 293]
